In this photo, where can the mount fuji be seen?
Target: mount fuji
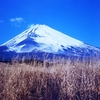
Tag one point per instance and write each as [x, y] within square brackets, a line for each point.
[39, 41]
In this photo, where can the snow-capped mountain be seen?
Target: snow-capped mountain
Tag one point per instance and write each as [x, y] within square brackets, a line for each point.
[40, 39]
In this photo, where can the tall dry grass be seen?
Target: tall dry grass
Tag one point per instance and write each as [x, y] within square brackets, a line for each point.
[66, 80]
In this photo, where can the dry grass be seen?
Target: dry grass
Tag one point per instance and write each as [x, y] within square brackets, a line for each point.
[59, 81]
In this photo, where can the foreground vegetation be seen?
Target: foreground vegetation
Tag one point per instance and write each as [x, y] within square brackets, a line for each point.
[58, 81]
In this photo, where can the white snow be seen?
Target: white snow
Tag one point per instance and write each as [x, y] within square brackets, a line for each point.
[49, 40]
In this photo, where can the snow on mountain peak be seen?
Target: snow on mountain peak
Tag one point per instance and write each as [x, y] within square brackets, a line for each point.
[43, 38]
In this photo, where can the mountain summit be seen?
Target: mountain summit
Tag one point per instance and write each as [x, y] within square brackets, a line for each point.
[43, 39]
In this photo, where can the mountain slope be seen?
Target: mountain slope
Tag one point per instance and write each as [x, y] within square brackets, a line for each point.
[41, 39]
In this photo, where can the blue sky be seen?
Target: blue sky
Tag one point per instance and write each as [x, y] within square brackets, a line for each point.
[79, 19]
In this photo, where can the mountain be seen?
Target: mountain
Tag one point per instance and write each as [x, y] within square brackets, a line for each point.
[39, 41]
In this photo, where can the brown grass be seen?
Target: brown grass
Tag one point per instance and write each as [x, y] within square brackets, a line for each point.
[59, 81]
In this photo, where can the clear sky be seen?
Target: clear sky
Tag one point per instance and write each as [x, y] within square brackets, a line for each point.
[79, 19]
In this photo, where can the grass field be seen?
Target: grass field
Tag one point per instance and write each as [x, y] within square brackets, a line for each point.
[64, 80]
